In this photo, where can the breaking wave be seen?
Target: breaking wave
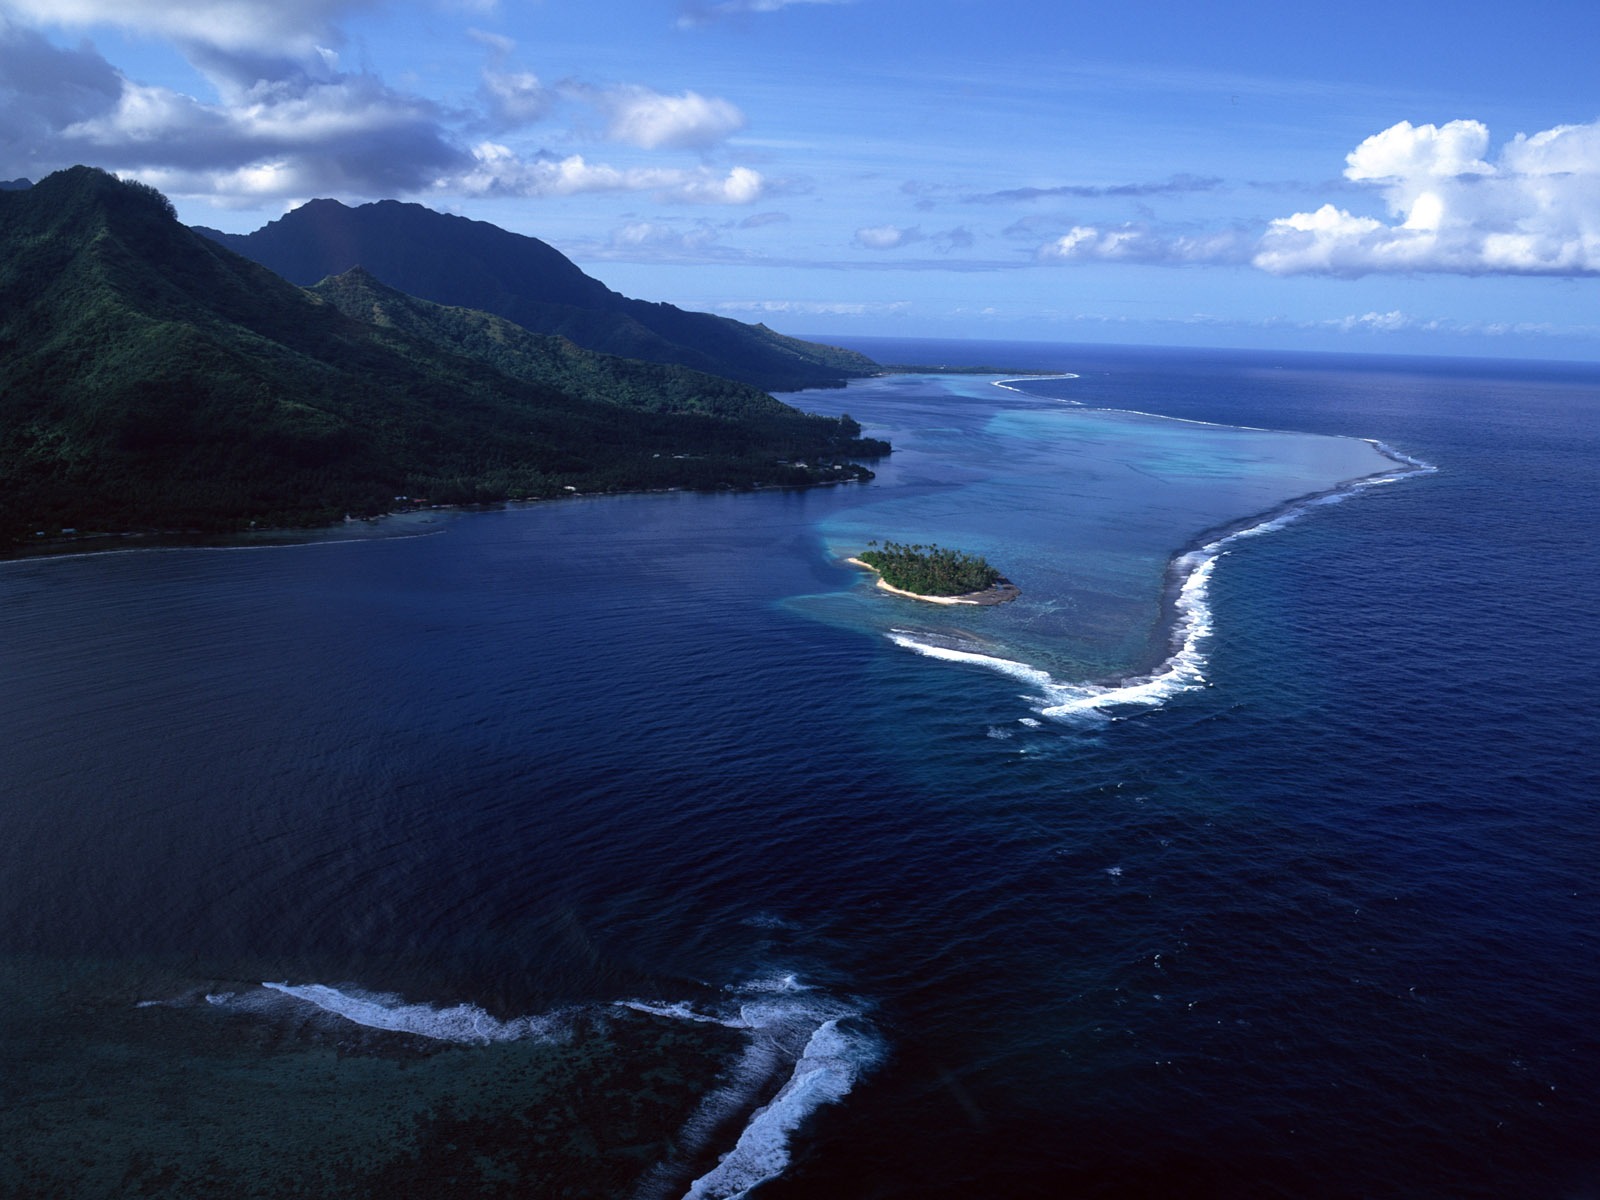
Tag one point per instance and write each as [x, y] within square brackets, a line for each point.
[465, 1023]
[807, 1045]
[1189, 577]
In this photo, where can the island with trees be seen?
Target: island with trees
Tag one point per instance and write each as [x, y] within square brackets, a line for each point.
[936, 574]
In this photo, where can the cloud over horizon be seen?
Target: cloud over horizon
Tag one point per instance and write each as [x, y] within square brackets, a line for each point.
[1533, 210]
[1147, 244]
[500, 171]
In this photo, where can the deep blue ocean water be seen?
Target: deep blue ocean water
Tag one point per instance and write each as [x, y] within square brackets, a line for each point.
[638, 847]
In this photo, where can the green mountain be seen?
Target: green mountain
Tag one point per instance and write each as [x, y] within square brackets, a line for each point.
[471, 264]
[150, 378]
[404, 320]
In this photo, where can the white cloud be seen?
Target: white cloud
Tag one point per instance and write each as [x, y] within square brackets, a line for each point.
[650, 120]
[892, 237]
[1143, 244]
[1534, 210]
[498, 171]
[348, 136]
[886, 237]
[512, 95]
[515, 97]
[656, 240]
[278, 27]
[282, 130]
[1375, 322]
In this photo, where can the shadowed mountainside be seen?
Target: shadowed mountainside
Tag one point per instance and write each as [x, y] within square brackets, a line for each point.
[471, 264]
[150, 378]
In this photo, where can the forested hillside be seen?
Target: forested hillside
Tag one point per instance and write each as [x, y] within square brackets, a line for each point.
[150, 378]
[471, 264]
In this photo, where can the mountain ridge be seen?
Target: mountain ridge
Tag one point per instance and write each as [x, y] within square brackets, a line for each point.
[459, 262]
[151, 378]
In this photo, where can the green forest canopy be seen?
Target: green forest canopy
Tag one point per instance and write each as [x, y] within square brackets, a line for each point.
[930, 570]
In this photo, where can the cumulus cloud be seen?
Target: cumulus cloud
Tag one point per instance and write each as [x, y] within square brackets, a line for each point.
[350, 135]
[1534, 209]
[499, 171]
[287, 130]
[512, 95]
[1133, 243]
[651, 120]
[293, 28]
[235, 24]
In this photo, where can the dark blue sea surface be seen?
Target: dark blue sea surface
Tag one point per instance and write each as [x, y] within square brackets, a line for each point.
[638, 847]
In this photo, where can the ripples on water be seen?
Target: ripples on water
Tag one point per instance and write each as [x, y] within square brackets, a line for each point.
[635, 801]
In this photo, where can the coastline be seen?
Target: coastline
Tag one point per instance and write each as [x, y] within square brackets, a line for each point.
[379, 526]
[1175, 660]
[999, 593]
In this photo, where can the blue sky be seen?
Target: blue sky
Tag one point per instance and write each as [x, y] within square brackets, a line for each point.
[1375, 177]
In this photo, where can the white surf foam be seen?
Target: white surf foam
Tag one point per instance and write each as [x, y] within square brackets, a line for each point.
[824, 1073]
[1007, 384]
[819, 1041]
[1184, 669]
[466, 1023]
[1006, 666]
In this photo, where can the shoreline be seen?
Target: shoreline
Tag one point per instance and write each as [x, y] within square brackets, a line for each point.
[999, 593]
[272, 537]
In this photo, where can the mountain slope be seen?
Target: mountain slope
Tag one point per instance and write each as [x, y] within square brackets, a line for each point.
[471, 264]
[151, 378]
[542, 358]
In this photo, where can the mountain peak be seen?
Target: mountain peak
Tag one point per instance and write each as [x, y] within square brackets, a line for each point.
[149, 378]
[463, 263]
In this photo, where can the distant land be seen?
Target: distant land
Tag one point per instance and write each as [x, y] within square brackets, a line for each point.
[471, 264]
[955, 369]
[151, 379]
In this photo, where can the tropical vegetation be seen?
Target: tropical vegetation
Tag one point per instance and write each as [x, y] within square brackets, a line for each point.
[471, 264]
[930, 570]
[152, 379]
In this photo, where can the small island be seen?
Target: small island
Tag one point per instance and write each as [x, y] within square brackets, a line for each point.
[936, 574]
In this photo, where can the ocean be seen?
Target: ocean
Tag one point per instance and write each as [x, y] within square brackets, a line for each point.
[639, 847]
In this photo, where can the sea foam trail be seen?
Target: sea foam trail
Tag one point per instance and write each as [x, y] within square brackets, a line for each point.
[1184, 668]
[466, 1023]
[822, 1044]
[815, 1044]
[1007, 383]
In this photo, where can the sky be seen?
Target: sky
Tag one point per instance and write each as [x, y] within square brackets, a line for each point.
[1409, 178]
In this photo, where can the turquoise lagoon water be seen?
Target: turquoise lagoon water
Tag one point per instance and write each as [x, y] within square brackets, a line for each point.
[1093, 512]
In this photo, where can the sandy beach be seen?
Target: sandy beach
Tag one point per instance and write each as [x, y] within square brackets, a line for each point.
[999, 593]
